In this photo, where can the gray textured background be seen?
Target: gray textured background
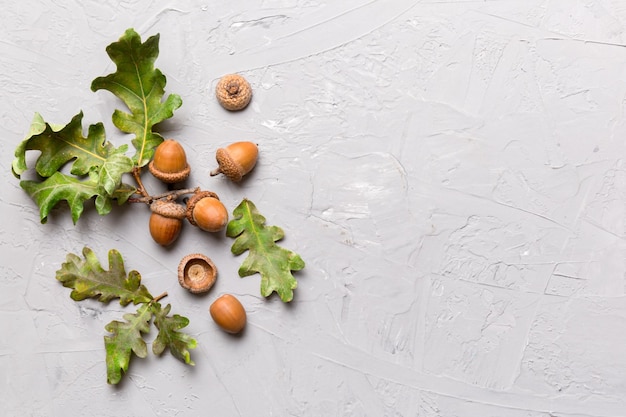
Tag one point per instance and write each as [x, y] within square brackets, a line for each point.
[451, 171]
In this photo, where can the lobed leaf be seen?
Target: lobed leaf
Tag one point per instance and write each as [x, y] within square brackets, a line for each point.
[273, 262]
[88, 279]
[37, 126]
[142, 88]
[96, 170]
[60, 145]
[60, 187]
[125, 339]
[111, 171]
[169, 336]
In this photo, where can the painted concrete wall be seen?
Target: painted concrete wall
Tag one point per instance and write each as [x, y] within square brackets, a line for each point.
[452, 172]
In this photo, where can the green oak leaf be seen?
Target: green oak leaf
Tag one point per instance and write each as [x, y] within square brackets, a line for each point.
[37, 126]
[88, 279]
[97, 167]
[169, 336]
[116, 165]
[60, 187]
[60, 145]
[142, 88]
[273, 262]
[121, 195]
[125, 339]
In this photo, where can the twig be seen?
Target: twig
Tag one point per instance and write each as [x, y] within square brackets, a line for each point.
[140, 188]
[159, 297]
[169, 195]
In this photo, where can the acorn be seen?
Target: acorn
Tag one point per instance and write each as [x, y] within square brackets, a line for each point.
[228, 313]
[196, 273]
[166, 221]
[169, 163]
[233, 92]
[236, 160]
[206, 211]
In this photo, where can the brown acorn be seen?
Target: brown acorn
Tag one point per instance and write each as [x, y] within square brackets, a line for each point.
[166, 221]
[197, 273]
[236, 160]
[169, 163]
[206, 211]
[228, 313]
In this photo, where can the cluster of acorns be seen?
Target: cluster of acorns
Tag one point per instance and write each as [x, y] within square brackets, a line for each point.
[204, 208]
[196, 272]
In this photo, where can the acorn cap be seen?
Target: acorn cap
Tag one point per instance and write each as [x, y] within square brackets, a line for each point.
[191, 203]
[169, 163]
[197, 273]
[233, 92]
[168, 208]
[228, 167]
[169, 177]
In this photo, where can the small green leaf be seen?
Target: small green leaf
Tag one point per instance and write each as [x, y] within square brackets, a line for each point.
[88, 279]
[169, 336]
[19, 163]
[273, 262]
[97, 167]
[60, 146]
[122, 194]
[126, 338]
[60, 187]
[142, 88]
[38, 125]
[116, 165]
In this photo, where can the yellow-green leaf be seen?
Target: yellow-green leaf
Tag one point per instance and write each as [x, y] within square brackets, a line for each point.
[88, 279]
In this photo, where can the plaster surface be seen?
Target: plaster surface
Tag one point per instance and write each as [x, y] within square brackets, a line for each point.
[452, 173]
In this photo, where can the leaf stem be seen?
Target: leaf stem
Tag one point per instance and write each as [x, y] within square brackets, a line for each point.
[140, 188]
[159, 297]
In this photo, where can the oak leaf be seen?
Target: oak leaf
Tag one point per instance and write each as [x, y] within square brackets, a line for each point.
[141, 87]
[88, 279]
[169, 336]
[125, 339]
[273, 262]
[96, 168]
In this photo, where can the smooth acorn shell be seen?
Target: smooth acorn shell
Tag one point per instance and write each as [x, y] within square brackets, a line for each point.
[165, 221]
[228, 313]
[236, 160]
[164, 230]
[169, 163]
[210, 214]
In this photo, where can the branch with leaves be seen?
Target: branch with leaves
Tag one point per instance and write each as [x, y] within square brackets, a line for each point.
[88, 279]
[97, 166]
[142, 88]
